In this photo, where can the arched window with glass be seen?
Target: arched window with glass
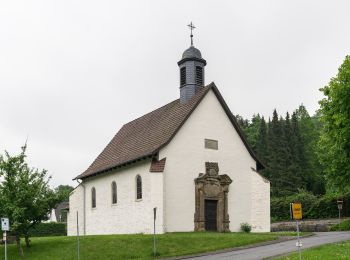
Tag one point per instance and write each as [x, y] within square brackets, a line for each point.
[114, 192]
[93, 197]
[138, 187]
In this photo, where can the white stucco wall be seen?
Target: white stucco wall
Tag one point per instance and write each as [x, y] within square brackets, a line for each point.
[76, 201]
[186, 157]
[260, 203]
[172, 191]
[128, 215]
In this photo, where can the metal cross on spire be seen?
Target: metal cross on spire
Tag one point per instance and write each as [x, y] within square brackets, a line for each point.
[191, 25]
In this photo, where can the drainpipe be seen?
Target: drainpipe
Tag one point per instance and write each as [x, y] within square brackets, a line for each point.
[84, 205]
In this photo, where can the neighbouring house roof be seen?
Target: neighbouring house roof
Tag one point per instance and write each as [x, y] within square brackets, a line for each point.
[61, 206]
[143, 137]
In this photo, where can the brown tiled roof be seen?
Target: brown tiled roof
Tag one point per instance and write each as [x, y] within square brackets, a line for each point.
[145, 136]
[157, 166]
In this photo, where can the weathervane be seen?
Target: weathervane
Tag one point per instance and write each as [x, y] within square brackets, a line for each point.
[191, 25]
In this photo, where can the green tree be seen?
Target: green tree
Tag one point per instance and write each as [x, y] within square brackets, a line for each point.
[63, 191]
[253, 130]
[334, 145]
[25, 195]
[310, 128]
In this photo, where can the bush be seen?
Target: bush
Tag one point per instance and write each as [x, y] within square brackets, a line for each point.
[342, 226]
[245, 227]
[313, 206]
[48, 229]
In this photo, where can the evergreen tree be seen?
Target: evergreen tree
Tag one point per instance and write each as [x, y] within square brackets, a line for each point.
[290, 167]
[243, 123]
[261, 142]
[276, 155]
[298, 155]
[287, 149]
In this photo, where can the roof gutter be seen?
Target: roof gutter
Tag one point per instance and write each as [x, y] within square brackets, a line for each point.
[117, 166]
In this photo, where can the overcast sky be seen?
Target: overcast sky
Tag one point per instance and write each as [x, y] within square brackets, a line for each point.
[73, 72]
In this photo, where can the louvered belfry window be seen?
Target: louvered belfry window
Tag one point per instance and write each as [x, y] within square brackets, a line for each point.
[93, 197]
[199, 75]
[114, 192]
[138, 187]
[183, 76]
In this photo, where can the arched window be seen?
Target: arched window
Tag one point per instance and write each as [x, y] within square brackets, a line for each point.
[114, 193]
[93, 197]
[138, 187]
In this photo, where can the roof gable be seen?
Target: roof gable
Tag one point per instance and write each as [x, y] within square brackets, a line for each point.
[145, 136]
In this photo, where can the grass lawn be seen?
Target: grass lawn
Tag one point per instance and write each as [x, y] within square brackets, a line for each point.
[134, 246]
[335, 251]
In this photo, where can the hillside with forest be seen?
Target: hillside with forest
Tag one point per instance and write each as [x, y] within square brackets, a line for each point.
[307, 157]
[287, 146]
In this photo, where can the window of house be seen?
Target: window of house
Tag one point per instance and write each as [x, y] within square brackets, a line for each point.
[138, 187]
[93, 197]
[114, 192]
[183, 76]
[211, 144]
[199, 75]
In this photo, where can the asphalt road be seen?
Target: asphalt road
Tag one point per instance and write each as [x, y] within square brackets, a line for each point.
[266, 251]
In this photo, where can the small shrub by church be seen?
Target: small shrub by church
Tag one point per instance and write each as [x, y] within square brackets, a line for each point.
[246, 227]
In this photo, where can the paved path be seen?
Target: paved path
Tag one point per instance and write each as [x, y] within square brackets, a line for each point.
[262, 252]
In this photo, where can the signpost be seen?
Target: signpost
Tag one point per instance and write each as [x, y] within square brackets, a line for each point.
[297, 214]
[78, 242]
[5, 226]
[154, 231]
[340, 207]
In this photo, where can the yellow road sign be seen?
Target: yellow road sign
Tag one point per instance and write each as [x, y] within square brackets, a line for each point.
[296, 210]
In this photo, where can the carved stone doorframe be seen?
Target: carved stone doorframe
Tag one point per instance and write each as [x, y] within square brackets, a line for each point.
[212, 186]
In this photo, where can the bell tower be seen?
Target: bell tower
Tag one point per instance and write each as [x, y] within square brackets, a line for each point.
[191, 68]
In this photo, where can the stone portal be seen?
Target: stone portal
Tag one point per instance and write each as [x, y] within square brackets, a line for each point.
[211, 198]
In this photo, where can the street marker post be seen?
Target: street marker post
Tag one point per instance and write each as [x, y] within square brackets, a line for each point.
[154, 231]
[5, 226]
[340, 203]
[297, 214]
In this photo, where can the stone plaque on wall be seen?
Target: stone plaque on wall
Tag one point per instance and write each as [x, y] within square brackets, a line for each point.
[211, 144]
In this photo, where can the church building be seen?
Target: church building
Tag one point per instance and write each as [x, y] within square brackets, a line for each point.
[188, 159]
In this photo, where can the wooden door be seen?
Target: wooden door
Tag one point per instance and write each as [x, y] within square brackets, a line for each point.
[210, 211]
